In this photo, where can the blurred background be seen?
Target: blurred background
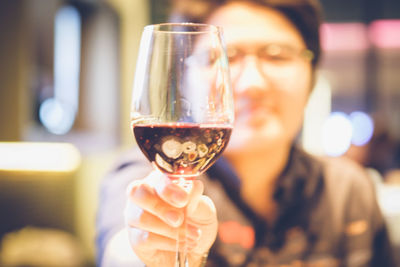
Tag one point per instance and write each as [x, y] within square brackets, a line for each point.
[66, 70]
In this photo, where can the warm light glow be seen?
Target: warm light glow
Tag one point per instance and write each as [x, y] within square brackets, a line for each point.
[317, 110]
[41, 157]
[385, 33]
[390, 199]
[337, 133]
[344, 36]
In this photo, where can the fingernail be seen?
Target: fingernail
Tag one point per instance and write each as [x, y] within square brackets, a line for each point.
[190, 245]
[173, 217]
[193, 232]
[178, 197]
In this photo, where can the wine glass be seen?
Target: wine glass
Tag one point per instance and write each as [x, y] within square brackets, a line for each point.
[182, 103]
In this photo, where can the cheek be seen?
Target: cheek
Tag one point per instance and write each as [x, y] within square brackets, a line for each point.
[293, 99]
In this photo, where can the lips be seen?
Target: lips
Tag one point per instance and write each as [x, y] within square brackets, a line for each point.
[253, 114]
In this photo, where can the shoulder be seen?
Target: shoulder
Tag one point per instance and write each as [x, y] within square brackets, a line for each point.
[129, 165]
[345, 174]
[127, 158]
[130, 161]
[351, 191]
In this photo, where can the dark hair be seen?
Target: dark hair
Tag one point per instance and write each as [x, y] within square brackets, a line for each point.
[306, 16]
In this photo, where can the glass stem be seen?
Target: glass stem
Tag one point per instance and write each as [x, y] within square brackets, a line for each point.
[181, 248]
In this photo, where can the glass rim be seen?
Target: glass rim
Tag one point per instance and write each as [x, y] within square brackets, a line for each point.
[207, 28]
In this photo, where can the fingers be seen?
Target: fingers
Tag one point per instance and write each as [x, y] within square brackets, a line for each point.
[204, 212]
[156, 209]
[168, 191]
[159, 196]
[195, 196]
[144, 197]
[144, 239]
[204, 217]
[141, 219]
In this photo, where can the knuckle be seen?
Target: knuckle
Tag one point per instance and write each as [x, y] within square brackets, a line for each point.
[142, 195]
[159, 207]
[138, 237]
[132, 187]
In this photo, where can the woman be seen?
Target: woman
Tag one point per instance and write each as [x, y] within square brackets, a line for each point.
[266, 202]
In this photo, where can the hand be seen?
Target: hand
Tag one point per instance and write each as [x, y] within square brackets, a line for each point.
[154, 213]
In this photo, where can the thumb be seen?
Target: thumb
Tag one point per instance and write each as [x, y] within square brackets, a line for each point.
[204, 212]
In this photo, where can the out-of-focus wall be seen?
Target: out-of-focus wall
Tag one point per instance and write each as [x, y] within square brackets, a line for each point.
[16, 102]
[88, 180]
[134, 15]
[13, 69]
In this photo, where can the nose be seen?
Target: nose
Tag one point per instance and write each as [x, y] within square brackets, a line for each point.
[249, 79]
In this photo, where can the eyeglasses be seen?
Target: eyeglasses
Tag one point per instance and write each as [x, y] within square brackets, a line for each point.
[271, 57]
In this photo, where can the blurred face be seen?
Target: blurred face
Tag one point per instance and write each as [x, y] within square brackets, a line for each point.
[271, 75]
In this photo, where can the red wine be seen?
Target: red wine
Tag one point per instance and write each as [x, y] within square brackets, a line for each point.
[182, 150]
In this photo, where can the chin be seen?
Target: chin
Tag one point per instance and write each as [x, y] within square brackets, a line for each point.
[247, 140]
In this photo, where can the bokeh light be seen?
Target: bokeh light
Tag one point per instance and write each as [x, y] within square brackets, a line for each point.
[337, 134]
[363, 128]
